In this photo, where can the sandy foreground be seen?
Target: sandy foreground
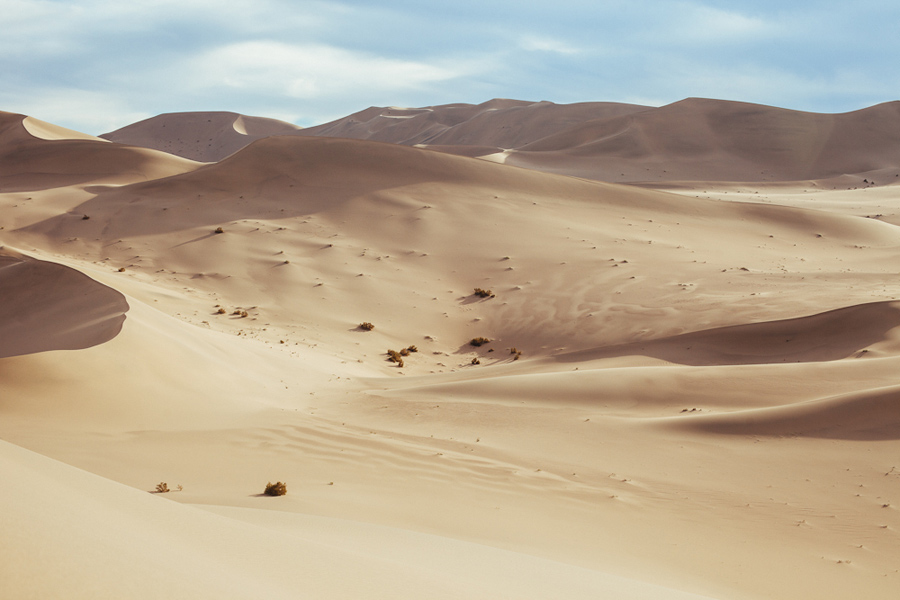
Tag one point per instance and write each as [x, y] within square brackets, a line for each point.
[690, 391]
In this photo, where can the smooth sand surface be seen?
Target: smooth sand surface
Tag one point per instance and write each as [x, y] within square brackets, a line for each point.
[688, 392]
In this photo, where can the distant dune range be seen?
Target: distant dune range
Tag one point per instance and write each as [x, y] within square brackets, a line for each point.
[694, 139]
[689, 388]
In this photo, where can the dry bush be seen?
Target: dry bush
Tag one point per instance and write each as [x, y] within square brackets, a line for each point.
[366, 326]
[219, 230]
[475, 361]
[400, 364]
[162, 487]
[221, 311]
[412, 349]
[393, 356]
[404, 352]
[484, 293]
[479, 341]
[276, 489]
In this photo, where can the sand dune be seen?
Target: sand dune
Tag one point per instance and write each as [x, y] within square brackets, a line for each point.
[692, 140]
[687, 392]
[42, 160]
[199, 136]
[47, 306]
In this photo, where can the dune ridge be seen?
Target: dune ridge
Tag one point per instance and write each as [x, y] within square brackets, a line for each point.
[199, 136]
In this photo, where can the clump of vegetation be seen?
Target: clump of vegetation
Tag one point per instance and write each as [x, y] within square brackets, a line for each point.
[163, 488]
[475, 361]
[404, 352]
[240, 313]
[219, 230]
[394, 356]
[85, 218]
[366, 326]
[276, 489]
[484, 293]
[121, 269]
[412, 349]
[221, 311]
[479, 341]
[517, 354]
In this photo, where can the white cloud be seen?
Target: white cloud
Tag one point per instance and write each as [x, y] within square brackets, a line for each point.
[541, 44]
[307, 70]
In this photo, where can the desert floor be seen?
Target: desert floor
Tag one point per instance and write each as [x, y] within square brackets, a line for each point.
[690, 391]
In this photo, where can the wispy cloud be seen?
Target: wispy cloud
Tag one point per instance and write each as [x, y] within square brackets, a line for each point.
[306, 70]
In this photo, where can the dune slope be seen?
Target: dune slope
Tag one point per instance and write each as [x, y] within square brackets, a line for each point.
[670, 395]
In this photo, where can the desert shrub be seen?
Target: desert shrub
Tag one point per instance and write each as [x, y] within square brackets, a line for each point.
[85, 218]
[515, 352]
[394, 356]
[479, 341]
[366, 326]
[219, 230]
[400, 364]
[121, 269]
[162, 487]
[241, 313]
[221, 311]
[404, 352]
[484, 293]
[412, 349]
[475, 361]
[276, 489]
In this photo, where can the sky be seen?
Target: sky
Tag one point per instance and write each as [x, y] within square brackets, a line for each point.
[97, 65]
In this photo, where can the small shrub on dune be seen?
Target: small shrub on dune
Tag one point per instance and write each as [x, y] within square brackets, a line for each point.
[221, 311]
[219, 230]
[517, 354]
[412, 349]
[475, 361]
[479, 341]
[366, 326]
[404, 352]
[484, 293]
[276, 489]
[162, 488]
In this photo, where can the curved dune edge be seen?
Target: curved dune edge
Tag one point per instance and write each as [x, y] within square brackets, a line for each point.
[864, 415]
[830, 335]
[47, 131]
[72, 534]
[48, 306]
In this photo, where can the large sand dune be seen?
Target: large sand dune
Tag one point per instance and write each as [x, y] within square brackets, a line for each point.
[686, 394]
[200, 136]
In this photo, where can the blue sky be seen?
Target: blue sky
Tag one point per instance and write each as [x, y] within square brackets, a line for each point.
[96, 65]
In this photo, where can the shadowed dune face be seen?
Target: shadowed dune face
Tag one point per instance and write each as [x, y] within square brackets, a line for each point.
[828, 336]
[200, 136]
[46, 306]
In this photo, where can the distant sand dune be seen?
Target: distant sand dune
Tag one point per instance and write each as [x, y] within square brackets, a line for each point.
[200, 136]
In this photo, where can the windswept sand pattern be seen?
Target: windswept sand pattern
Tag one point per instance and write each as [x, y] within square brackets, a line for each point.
[682, 389]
